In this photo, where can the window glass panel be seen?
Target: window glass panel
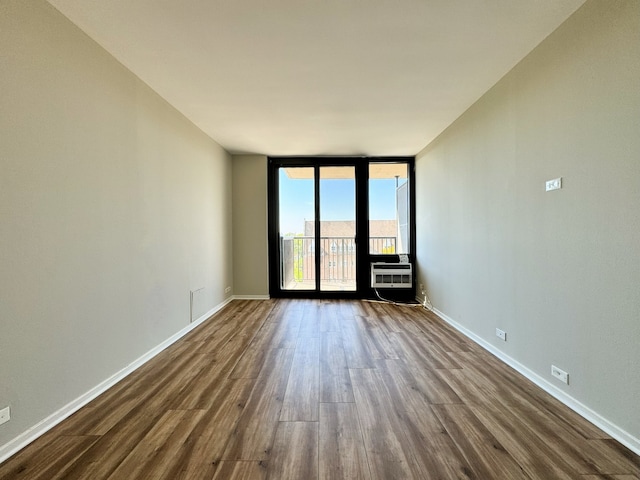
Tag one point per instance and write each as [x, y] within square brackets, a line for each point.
[297, 211]
[337, 228]
[388, 208]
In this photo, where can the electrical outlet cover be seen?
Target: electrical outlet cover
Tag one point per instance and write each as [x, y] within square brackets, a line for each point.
[5, 415]
[560, 374]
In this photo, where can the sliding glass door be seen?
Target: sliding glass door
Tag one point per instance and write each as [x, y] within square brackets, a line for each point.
[338, 259]
[297, 245]
[317, 228]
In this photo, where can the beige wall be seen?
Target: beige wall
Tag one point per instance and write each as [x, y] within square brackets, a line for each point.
[112, 208]
[559, 271]
[250, 255]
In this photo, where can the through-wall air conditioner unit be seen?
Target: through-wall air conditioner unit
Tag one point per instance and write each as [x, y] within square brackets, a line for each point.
[391, 275]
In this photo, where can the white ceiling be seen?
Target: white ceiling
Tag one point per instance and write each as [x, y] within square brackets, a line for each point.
[319, 77]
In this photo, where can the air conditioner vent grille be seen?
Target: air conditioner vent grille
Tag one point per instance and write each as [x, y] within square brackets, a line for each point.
[391, 275]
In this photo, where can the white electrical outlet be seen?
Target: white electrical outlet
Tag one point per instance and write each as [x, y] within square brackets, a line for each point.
[5, 415]
[560, 374]
[501, 334]
[227, 290]
[554, 184]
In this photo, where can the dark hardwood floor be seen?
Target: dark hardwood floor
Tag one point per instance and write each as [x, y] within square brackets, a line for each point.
[306, 389]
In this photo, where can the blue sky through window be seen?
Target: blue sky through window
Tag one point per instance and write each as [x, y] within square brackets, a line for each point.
[338, 202]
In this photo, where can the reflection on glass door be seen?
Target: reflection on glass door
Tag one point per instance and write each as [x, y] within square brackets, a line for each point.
[296, 200]
[337, 229]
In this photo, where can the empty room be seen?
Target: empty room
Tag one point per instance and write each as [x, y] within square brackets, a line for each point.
[320, 239]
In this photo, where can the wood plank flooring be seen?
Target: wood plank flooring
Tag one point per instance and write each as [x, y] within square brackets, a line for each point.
[310, 389]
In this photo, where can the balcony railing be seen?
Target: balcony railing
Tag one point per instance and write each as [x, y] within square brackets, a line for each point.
[337, 259]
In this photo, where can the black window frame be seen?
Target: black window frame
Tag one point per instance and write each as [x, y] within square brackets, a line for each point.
[364, 258]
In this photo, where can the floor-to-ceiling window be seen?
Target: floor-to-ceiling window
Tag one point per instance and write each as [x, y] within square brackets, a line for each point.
[329, 218]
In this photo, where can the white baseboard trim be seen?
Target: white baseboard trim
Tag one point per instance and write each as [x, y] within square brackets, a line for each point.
[251, 297]
[13, 446]
[598, 420]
